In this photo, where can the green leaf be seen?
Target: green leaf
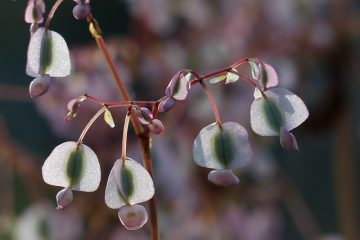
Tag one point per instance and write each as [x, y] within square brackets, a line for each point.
[232, 77]
[108, 118]
[254, 70]
[217, 79]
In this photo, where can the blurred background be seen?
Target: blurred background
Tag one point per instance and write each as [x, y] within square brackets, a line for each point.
[315, 47]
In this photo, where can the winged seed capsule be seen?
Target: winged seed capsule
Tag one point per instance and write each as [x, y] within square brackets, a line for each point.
[129, 184]
[227, 147]
[276, 113]
[71, 167]
[48, 56]
[280, 108]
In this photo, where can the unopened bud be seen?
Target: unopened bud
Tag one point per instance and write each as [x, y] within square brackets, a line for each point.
[156, 127]
[288, 140]
[64, 198]
[39, 86]
[166, 104]
[81, 10]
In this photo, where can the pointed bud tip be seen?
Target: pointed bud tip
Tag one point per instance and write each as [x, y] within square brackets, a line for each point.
[288, 140]
[39, 86]
[64, 198]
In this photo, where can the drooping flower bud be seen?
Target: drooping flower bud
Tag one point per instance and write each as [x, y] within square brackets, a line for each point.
[156, 127]
[288, 140]
[73, 106]
[223, 177]
[34, 11]
[64, 198]
[39, 86]
[133, 217]
[144, 114]
[179, 85]
[81, 10]
[166, 104]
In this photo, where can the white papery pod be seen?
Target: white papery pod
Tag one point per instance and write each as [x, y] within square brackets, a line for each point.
[227, 147]
[128, 182]
[280, 108]
[48, 53]
[71, 168]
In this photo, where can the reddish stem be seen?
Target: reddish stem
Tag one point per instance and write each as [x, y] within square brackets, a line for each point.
[212, 102]
[51, 13]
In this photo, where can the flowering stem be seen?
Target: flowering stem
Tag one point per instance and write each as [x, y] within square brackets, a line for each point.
[89, 124]
[96, 33]
[143, 136]
[149, 104]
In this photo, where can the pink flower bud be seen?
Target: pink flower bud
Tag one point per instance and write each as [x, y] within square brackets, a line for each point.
[144, 114]
[156, 127]
[133, 217]
[223, 177]
[81, 10]
[288, 140]
[64, 198]
[166, 104]
[179, 85]
[34, 11]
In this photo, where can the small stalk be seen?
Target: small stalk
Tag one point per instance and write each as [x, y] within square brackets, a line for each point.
[124, 136]
[213, 103]
[51, 13]
[89, 124]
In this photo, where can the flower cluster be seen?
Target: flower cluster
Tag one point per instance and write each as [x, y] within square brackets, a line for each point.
[220, 146]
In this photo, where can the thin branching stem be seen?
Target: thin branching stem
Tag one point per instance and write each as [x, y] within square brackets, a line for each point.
[124, 136]
[51, 13]
[213, 103]
[143, 135]
[89, 124]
